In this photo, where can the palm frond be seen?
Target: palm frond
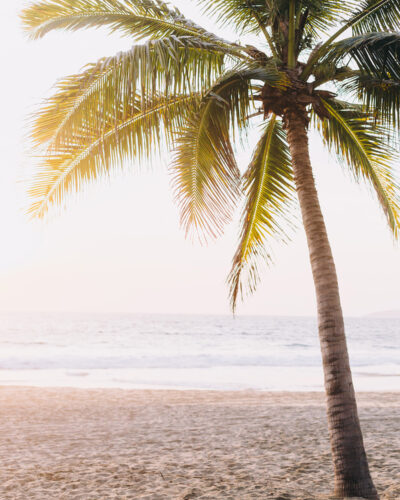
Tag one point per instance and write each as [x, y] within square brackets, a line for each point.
[380, 96]
[373, 13]
[374, 53]
[383, 15]
[270, 194]
[123, 136]
[322, 16]
[241, 14]
[170, 66]
[359, 142]
[376, 81]
[137, 18]
[204, 172]
[249, 15]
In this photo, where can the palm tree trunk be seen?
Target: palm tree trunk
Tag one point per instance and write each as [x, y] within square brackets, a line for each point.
[352, 477]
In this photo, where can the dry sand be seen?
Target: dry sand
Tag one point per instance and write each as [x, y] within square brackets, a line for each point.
[115, 444]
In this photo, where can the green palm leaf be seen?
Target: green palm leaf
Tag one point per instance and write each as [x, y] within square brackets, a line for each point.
[360, 144]
[380, 96]
[376, 80]
[137, 18]
[374, 53]
[241, 14]
[384, 16]
[269, 190]
[122, 136]
[322, 16]
[373, 14]
[249, 16]
[204, 172]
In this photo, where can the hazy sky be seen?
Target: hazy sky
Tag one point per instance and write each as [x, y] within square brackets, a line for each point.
[117, 247]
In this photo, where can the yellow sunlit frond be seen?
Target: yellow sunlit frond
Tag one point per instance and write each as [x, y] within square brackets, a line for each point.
[84, 157]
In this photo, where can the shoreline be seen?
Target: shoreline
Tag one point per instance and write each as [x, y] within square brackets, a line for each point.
[178, 389]
[92, 444]
[224, 378]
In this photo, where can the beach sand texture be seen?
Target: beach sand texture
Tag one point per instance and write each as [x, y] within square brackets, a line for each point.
[59, 443]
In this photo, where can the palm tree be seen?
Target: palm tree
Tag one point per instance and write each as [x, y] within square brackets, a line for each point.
[195, 92]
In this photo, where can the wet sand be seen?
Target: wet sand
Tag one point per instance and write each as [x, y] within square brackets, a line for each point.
[157, 445]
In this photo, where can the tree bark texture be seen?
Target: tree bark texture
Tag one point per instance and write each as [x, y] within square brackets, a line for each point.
[352, 476]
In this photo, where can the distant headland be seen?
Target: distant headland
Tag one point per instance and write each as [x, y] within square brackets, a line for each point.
[385, 314]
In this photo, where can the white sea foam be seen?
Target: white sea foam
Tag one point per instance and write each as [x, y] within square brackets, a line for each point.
[203, 352]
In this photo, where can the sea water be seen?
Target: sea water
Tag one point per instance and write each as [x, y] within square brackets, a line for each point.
[189, 352]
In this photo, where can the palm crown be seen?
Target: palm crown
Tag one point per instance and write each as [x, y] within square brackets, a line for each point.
[197, 92]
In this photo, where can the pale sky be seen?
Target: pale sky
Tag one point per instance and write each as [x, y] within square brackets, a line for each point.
[117, 247]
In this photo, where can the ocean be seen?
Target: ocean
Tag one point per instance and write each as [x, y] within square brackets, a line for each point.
[189, 352]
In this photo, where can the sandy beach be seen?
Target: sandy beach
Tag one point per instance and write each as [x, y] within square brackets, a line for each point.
[141, 444]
